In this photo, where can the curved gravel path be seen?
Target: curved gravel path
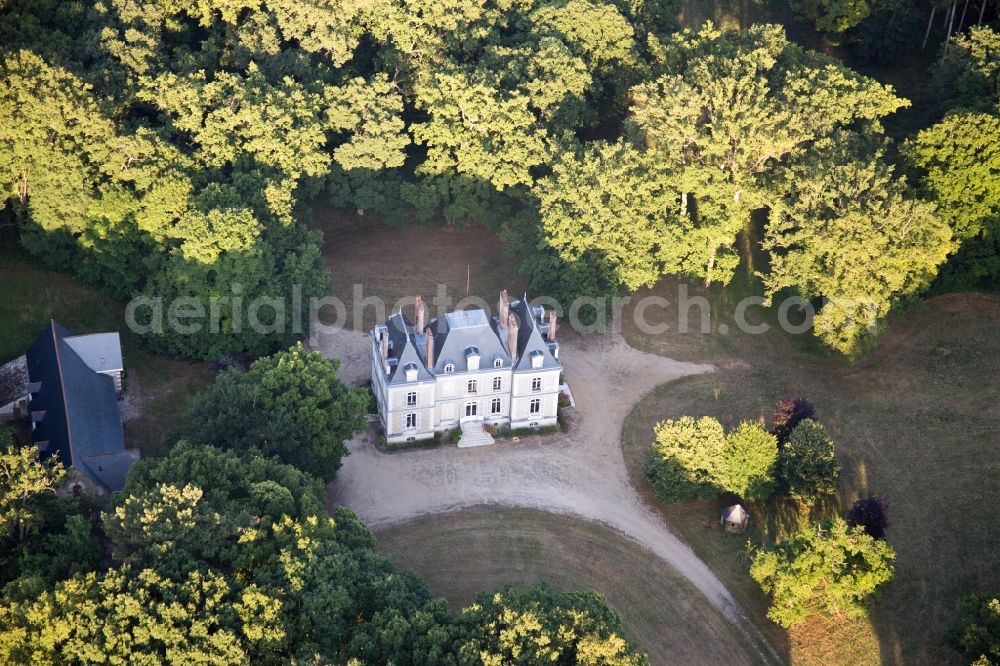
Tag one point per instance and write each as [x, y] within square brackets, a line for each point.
[580, 473]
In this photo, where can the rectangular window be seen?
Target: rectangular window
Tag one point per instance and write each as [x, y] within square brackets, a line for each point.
[495, 406]
[411, 420]
[411, 399]
[536, 383]
[536, 406]
[473, 386]
[497, 383]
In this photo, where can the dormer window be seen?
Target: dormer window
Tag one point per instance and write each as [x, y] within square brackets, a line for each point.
[472, 357]
[449, 367]
[498, 363]
[537, 358]
[411, 372]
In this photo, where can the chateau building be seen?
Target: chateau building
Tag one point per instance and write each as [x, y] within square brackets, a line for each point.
[466, 369]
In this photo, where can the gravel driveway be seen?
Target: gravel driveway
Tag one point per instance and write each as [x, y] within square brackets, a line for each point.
[580, 473]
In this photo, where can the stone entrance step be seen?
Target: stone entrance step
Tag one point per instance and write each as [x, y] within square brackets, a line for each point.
[474, 435]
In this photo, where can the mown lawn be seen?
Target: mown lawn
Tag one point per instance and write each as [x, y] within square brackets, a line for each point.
[917, 421]
[461, 554]
[399, 263]
[161, 387]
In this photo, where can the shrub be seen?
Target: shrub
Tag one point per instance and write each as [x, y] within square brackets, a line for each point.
[788, 414]
[807, 465]
[871, 513]
[455, 435]
[686, 458]
[749, 460]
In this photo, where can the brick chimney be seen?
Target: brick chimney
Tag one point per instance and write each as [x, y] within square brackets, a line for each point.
[552, 325]
[503, 308]
[419, 318]
[429, 349]
[383, 343]
[512, 327]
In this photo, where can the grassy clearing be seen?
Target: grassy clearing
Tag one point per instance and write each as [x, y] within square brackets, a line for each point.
[32, 295]
[461, 554]
[916, 421]
[398, 263]
[164, 410]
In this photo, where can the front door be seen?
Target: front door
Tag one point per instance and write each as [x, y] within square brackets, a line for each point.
[471, 409]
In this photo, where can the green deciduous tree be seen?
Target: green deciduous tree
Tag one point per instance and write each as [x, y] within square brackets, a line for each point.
[197, 504]
[967, 75]
[807, 465]
[977, 634]
[749, 462]
[960, 157]
[849, 232]
[827, 568]
[55, 143]
[539, 626]
[290, 405]
[834, 17]
[686, 458]
[128, 616]
[726, 111]
[606, 205]
[23, 478]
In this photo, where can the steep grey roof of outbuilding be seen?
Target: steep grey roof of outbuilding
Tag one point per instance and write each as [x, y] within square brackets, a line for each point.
[102, 352]
[456, 332]
[530, 340]
[112, 469]
[81, 421]
[13, 380]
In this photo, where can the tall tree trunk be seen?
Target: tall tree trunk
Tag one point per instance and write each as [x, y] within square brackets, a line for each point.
[982, 10]
[951, 22]
[711, 265]
[22, 186]
[684, 204]
[961, 21]
[930, 22]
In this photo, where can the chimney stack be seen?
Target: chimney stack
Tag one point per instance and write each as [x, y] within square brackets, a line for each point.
[419, 318]
[503, 308]
[429, 349]
[383, 343]
[552, 325]
[512, 327]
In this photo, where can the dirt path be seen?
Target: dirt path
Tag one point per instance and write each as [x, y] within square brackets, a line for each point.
[580, 473]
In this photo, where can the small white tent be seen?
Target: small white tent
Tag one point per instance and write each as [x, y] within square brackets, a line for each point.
[735, 518]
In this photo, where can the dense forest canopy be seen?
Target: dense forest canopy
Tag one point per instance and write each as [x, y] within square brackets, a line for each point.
[171, 149]
[221, 558]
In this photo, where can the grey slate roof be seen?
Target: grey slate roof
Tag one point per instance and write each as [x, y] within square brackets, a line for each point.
[81, 422]
[460, 332]
[403, 351]
[457, 332]
[530, 339]
[102, 352]
[111, 469]
[13, 380]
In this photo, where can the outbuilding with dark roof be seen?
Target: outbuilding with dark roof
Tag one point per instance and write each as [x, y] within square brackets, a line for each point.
[74, 410]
